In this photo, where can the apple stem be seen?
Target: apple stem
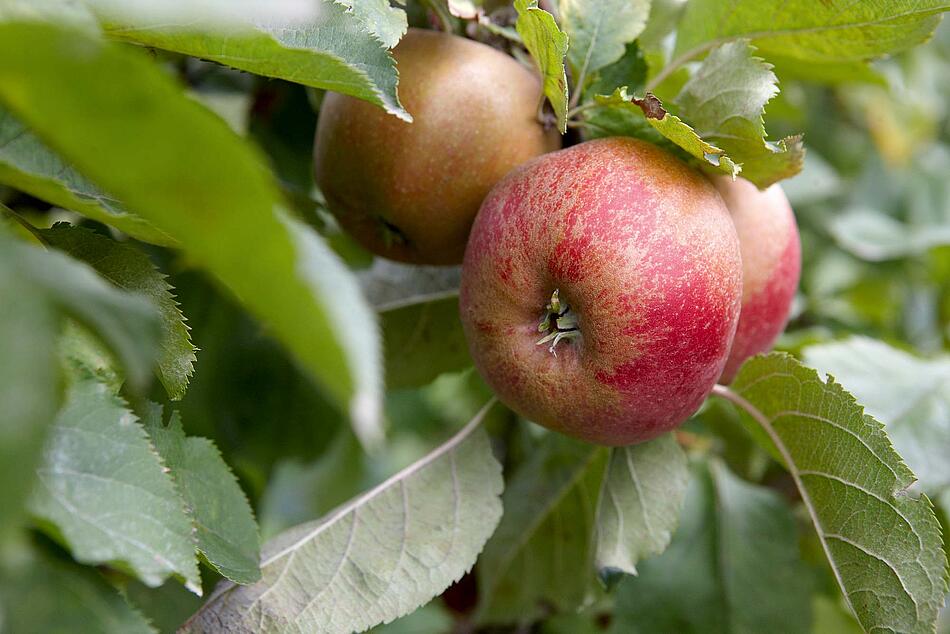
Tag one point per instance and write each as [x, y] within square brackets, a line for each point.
[558, 322]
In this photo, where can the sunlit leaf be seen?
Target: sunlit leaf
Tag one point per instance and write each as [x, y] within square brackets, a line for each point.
[548, 46]
[599, 30]
[130, 128]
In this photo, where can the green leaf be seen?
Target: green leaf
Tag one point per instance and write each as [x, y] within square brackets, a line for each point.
[599, 30]
[28, 165]
[725, 100]
[884, 545]
[131, 270]
[83, 356]
[378, 557]
[29, 389]
[630, 71]
[801, 29]
[910, 395]
[542, 555]
[733, 566]
[548, 46]
[418, 307]
[126, 322]
[105, 494]
[297, 492]
[46, 595]
[669, 126]
[125, 123]
[226, 530]
[876, 237]
[639, 504]
[339, 46]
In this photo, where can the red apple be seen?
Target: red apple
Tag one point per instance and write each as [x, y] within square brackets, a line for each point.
[409, 191]
[771, 265]
[601, 289]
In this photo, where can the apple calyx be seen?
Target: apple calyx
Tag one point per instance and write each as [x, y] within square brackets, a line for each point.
[558, 323]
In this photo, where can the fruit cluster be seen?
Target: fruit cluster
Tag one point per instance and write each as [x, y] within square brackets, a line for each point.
[606, 287]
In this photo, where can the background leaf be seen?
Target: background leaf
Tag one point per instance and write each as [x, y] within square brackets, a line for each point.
[396, 546]
[132, 271]
[884, 546]
[52, 596]
[910, 395]
[337, 46]
[542, 555]
[598, 32]
[225, 528]
[800, 29]
[725, 100]
[733, 566]
[179, 166]
[639, 505]
[548, 46]
[105, 494]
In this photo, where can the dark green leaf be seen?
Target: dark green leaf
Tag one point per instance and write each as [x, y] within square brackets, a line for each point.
[131, 270]
[542, 555]
[733, 566]
[226, 530]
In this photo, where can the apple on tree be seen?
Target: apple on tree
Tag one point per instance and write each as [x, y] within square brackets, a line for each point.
[410, 191]
[771, 265]
[601, 290]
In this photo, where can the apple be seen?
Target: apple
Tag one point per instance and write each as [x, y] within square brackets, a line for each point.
[410, 191]
[601, 290]
[771, 266]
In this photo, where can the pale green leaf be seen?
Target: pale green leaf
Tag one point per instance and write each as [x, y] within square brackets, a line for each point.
[125, 123]
[132, 271]
[733, 566]
[376, 558]
[813, 31]
[639, 505]
[871, 235]
[337, 46]
[629, 71]
[45, 595]
[391, 285]
[83, 356]
[548, 46]
[909, 395]
[28, 165]
[104, 493]
[599, 30]
[379, 18]
[542, 553]
[29, 389]
[670, 127]
[225, 527]
[884, 544]
[724, 101]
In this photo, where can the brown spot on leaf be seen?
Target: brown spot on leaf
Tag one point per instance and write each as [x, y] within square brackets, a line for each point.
[651, 106]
